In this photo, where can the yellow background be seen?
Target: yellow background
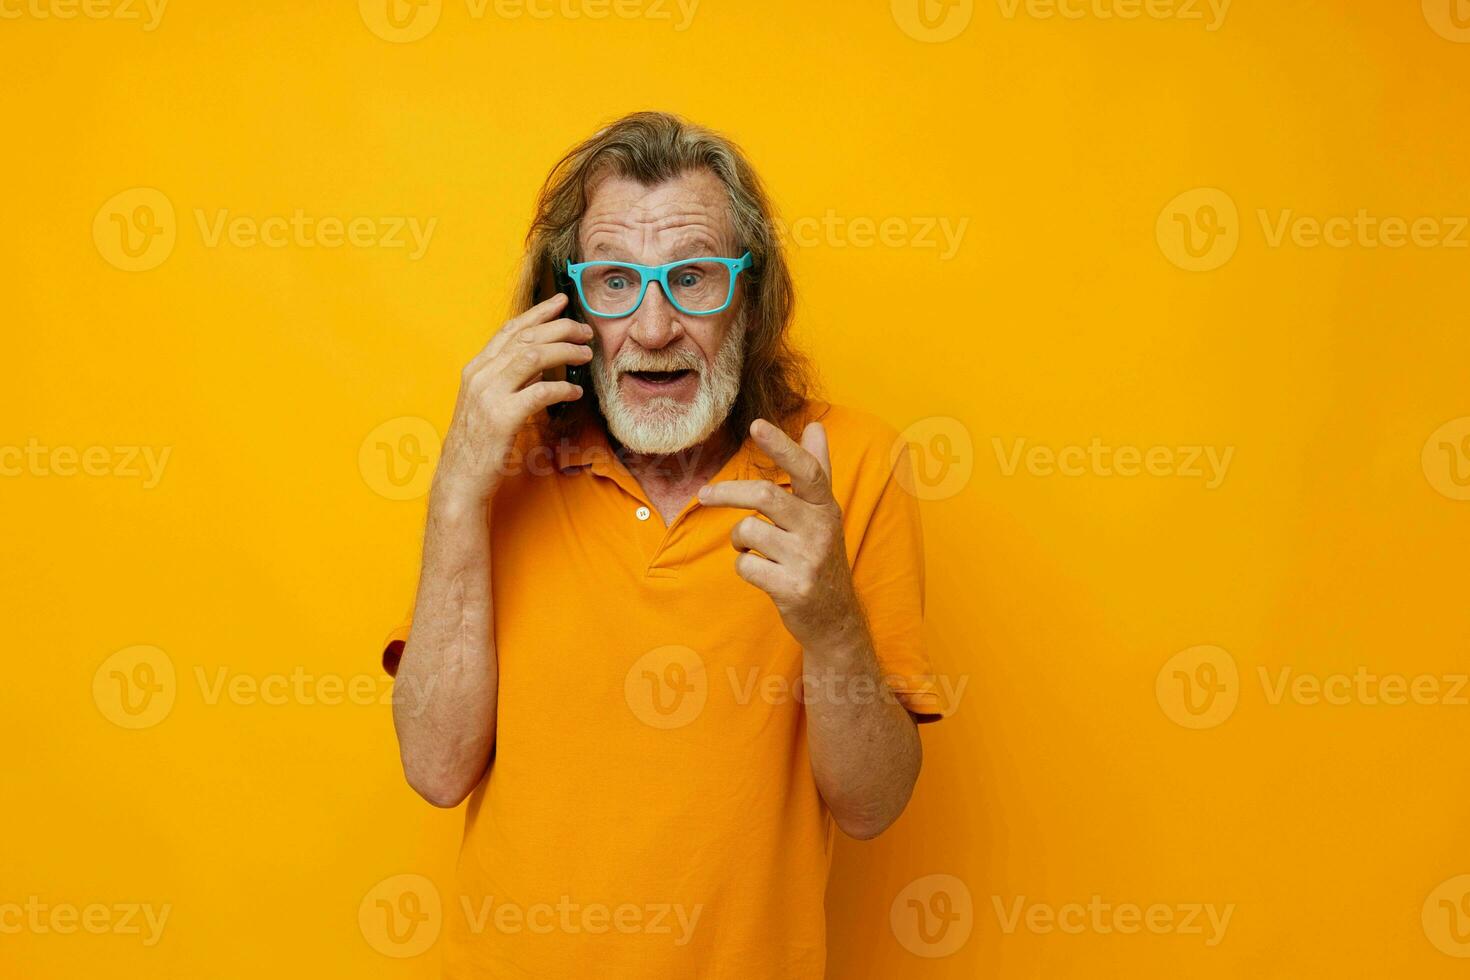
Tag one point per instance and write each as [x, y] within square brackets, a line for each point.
[1335, 541]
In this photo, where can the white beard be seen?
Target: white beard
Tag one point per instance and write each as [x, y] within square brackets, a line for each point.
[663, 425]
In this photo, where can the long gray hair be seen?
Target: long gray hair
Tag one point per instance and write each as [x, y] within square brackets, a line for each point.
[653, 147]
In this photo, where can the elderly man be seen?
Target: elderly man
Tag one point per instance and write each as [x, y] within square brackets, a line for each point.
[668, 627]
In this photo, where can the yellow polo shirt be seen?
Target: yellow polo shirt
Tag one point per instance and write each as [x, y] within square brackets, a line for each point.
[650, 810]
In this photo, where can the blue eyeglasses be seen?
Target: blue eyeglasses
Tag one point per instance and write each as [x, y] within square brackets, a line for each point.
[699, 287]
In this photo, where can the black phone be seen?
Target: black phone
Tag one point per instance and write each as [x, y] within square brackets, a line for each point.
[554, 280]
[577, 374]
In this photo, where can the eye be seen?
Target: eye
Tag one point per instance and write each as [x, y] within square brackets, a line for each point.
[617, 282]
[688, 279]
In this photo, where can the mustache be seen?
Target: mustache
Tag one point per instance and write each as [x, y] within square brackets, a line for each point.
[676, 359]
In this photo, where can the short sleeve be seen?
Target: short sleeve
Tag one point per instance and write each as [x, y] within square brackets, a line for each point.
[393, 645]
[888, 573]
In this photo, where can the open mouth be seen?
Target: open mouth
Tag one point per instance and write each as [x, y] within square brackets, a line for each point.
[656, 380]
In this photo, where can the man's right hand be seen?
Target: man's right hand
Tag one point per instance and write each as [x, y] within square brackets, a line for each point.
[500, 390]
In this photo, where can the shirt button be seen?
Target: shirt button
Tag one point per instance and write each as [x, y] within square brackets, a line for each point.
[642, 513]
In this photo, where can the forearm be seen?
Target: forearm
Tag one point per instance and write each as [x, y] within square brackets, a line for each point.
[864, 744]
[444, 699]
[444, 696]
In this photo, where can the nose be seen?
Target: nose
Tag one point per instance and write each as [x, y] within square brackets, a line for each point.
[656, 323]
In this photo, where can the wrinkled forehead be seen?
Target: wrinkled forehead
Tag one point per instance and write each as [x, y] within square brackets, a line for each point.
[679, 218]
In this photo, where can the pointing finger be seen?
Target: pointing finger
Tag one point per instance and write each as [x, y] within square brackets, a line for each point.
[814, 441]
[808, 477]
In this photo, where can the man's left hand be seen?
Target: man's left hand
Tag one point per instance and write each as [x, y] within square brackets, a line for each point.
[802, 561]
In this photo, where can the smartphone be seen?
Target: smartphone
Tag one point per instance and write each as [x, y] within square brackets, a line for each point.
[552, 281]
